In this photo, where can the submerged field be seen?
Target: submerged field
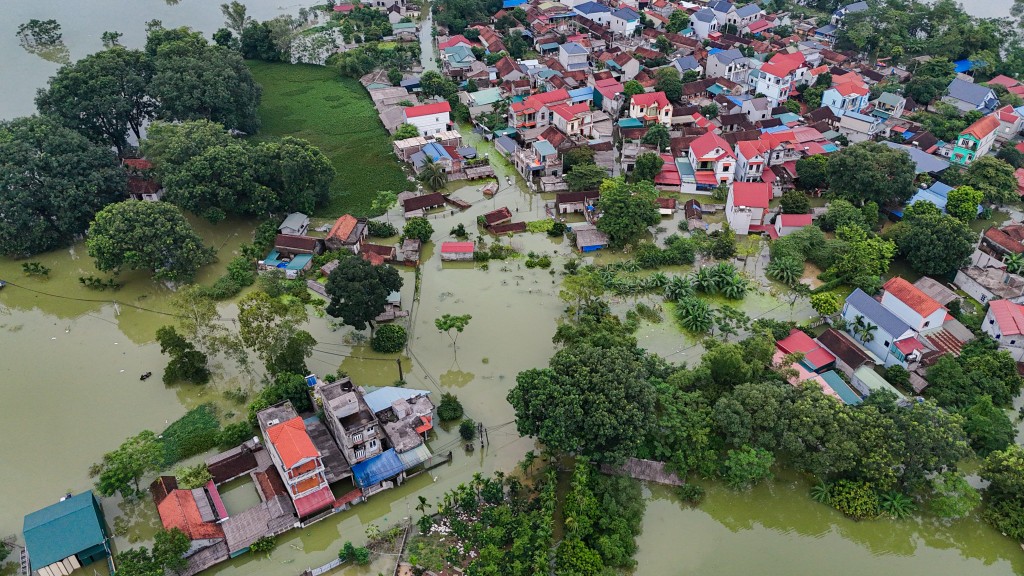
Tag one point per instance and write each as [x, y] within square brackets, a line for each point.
[336, 115]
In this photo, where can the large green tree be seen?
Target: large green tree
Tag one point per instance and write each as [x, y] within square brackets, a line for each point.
[1004, 470]
[935, 244]
[359, 291]
[962, 203]
[988, 427]
[103, 96]
[152, 236]
[269, 327]
[52, 183]
[585, 177]
[813, 171]
[585, 385]
[668, 81]
[994, 178]
[627, 210]
[122, 469]
[869, 171]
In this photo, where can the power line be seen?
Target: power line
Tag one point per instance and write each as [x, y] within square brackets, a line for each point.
[97, 300]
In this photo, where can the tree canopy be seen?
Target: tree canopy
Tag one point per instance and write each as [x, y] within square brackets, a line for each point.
[152, 236]
[627, 210]
[54, 181]
[359, 291]
[934, 243]
[994, 178]
[869, 171]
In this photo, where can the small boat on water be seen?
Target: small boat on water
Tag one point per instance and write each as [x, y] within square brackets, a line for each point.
[145, 376]
[2, 284]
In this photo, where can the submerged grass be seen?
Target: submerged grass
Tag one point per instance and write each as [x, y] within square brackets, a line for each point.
[194, 433]
[336, 115]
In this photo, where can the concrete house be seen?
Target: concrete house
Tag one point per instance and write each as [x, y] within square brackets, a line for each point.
[623, 66]
[298, 461]
[608, 95]
[575, 119]
[746, 205]
[712, 160]
[65, 536]
[704, 23]
[967, 96]
[296, 224]
[976, 140]
[879, 330]
[777, 77]
[349, 419]
[859, 127]
[457, 251]
[757, 109]
[918, 310]
[741, 16]
[538, 159]
[889, 105]
[840, 14]
[429, 118]
[594, 11]
[650, 108]
[846, 97]
[1010, 123]
[1004, 322]
[535, 111]
[729, 64]
[786, 224]
[624, 21]
[751, 159]
[573, 56]
[687, 64]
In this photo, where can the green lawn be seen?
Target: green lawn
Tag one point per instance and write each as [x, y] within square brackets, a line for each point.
[335, 114]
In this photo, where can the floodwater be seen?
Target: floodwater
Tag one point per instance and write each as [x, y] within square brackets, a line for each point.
[72, 356]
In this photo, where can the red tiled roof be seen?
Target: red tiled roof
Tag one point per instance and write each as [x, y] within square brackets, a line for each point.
[137, 163]
[292, 442]
[1009, 316]
[454, 41]
[751, 194]
[982, 127]
[847, 88]
[1004, 81]
[814, 354]
[179, 510]
[649, 98]
[139, 185]
[667, 203]
[1004, 240]
[909, 345]
[781, 65]
[795, 220]
[496, 216]
[343, 227]
[705, 177]
[315, 502]
[751, 148]
[912, 296]
[569, 112]
[427, 109]
[457, 247]
[1007, 114]
[703, 146]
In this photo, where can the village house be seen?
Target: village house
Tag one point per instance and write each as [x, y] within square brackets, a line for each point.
[623, 21]
[889, 105]
[406, 415]
[535, 111]
[849, 356]
[777, 77]
[849, 96]
[745, 206]
[881, 331]
[429, 118]
[859, 127]
[1010, 123]
[141, 185]
[750, 160]
[987, 279]
[623, 66]
[652, 107]
[686, 64]
[457, 251]
[575, 202]
[295, 224]
[786, 224]
[1004, 322]
[574, 119]
[589, 238]
[704, 23]
[537, 160]
[500, 216]
[976, 140]
[594, 11]
[968, 97]
[418, 205]
[712, 160]
[918, 310]
[347, 232]
[349, 420]
[729, 64]
[66, 536]
[573, 56]
[297, 460]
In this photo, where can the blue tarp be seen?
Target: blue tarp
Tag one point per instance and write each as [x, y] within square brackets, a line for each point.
[377, 469]
[512, 3]
[965, 65]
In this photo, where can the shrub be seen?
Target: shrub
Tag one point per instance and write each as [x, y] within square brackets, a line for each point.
[234, 434]
[194, 433]
[191, 477]
[389, 338]
[381, 229]
[359, 555]
[854, 499]
[897, 376]
[263, 545]
[691, 494]
[467, 429]
[538, 226]
[450, 408]
[747, 466]
[557, 229]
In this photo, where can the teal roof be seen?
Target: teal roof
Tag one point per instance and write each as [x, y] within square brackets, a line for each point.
[486, 96]
[787, 117]
[63, 529]
[836, 383]
[874, 382]
[298, 262]
[715, 89]
[544, 148]
[403, 26]
[630, 123]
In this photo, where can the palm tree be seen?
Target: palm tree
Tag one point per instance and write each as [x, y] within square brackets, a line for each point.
[422, 506]
[1014, 263]
[678, 287]
[694, 315]
[527, 462]
[867, 334]
[704, 280]
[785, 270]
[432, 175]
[822, 492]
[734, 287]
[896, 505]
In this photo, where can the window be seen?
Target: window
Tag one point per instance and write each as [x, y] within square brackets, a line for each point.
[360, 453]
[373, 444]
[887, 343]
[926, 322]
[998, 336]
[1013, 341]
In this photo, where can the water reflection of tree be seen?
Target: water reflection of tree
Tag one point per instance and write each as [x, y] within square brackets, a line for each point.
[43, 38]
[456, 378]
[138, 519]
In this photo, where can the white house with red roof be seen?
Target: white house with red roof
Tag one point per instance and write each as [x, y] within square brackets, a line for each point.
[917, 309]
[786, 224]
[746, 205]
[712, 160]
[608, 95]
[751, 159]
[300, 465]
[850, 94]
[536, 111]
[777, 77]
[1010, 123]
[651, 107]
[1004, 322]
[429, 119]
[574, 118]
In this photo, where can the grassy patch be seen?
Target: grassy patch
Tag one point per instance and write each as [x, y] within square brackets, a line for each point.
[194, 433]
[336, 115]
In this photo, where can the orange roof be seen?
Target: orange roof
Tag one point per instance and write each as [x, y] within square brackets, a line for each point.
[179, 510]
[847, 88]
[912, 296]
[983, 127]
[707, 143]
[343, 227]
[292, 442]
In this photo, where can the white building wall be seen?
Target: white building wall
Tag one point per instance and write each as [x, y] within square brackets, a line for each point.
[1013, 344]
[432, 124]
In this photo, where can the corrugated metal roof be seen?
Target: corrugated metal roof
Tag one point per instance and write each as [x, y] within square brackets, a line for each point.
[415, 457]
[382, 398]
[62, 529]
[841, 388]
[874, 312]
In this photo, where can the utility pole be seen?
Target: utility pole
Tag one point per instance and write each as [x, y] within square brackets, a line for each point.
[401, 376]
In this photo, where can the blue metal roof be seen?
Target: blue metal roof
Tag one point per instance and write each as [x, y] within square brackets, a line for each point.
[581, 94]
[630, 123]
[923, 161]
[573, 48]
[505, 143]
[63, 529]
[748, 10]
[382, 398]
[512, 3]
[377, 469]
[544, 148]
[436, 152]
[874, 312]
[591, 8]
[627, 14]
[845, 392]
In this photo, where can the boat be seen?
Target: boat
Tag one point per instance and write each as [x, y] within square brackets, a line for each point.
[2, 284]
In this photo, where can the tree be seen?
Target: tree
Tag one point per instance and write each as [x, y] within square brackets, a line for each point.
[647, 166]
[577, 156]
[1011, 156]
[812, 96]
[691, 76]
[842, 213]
[102, 96]
[1004, 470]
[169, 548]
[988, 427]
[869, 171]
[450, 408]
[585, 177]
[269, 325]
[298, 174]
[418, 228]
[793, 106]
[54, 181]
[450, 322]
[952, 496]
[924, 89]
[677, 21]
[786, 270]
[795, 202]
[122, 469]
[389, 339]
[747, 466]
[257, 42]
[467, 429]
[663, 45]
[359, 291]
[627, 210]
[962, 203]
[1014, 262]
[897, 376]
[632, 88]
[153, 236]
[710, 111]
[235, 17]
[657, 136]
[192, 477]
[194, 80]
[668, 81]
[186, 362]
[826, 303]
[994, 178]
[813, 171]
[936, 244]
[584, 384]
[432, 174]
[405, 131]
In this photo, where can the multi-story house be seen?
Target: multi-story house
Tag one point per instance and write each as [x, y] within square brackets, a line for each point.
[846, 97]
[594, 11]
[881, 331]
[574, 119]
[704, 23]
[573, 56]
[535, 111]
[917, 309]
[777, 77]
[538, 159]
[429, 119]
[712, 160]
[350, 420]
[976, 140]
[751, 159]
[624, 21]
[1010, 123]
[730, 64]
[651, 107]
[297, 459]
[745, 206]
[608, 95]
[1004, 322]
[889, 105]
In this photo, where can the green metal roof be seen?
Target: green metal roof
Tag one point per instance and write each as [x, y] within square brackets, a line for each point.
[63, 529]
[874, 381]
[486, 96]
[403, 26]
